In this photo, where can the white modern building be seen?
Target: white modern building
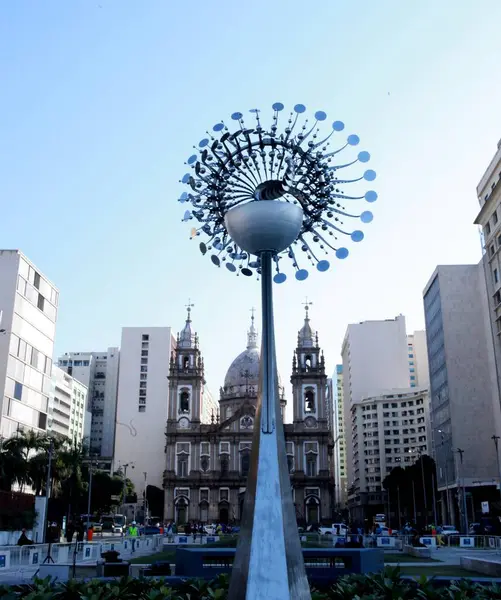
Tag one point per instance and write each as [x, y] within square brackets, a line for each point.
[68, 407]
[28, 308]
[375, 359]
[210, 407]
[489, 219]
[463, 387]
[418, 359]
[341, 485]
[388, 430]
[98, 371]
[143, 394]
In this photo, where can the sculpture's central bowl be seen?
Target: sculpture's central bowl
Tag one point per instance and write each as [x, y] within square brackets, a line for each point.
[264, 225]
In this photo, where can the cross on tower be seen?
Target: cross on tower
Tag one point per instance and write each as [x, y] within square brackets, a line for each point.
[307, 305]
[252, 310]
[189, 306]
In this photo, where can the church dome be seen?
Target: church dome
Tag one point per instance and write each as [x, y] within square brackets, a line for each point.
[242, 378]
[244, 370]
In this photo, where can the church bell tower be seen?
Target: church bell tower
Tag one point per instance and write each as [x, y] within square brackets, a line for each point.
[186, 378]
[308, 378]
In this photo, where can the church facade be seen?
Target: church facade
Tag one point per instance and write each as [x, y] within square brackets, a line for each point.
[207, 463]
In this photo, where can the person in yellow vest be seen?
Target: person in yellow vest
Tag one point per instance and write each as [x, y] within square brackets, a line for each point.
[133, 534]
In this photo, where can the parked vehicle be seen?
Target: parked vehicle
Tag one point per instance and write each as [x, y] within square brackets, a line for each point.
[149, 530]
[335, 529]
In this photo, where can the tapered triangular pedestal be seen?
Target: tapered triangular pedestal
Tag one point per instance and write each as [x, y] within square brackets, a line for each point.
[269, 561]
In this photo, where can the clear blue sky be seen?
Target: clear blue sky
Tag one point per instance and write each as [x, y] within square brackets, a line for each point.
[101, 102]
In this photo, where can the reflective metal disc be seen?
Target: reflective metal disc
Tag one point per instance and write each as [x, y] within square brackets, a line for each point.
[215, 260]
[302, 274]
[278, 106]
[218, 127]
[231, 267]
[320, 115]
[323, 265]
[357, 236]
[300, 108]
[342, 253]
[203, 248]
[280, 278]
[247, 272]
[236, 116]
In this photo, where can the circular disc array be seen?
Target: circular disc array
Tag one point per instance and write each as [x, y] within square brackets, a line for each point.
[289, 160]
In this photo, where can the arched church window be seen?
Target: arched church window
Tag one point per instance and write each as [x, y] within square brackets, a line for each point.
[245, 463]
[186, 362]
[311, 465]
[309, 401]
[204, 464]
[308, 362]
[184, 402]
[225, 465]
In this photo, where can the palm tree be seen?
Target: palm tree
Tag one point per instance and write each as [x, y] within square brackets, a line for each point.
[15, 457]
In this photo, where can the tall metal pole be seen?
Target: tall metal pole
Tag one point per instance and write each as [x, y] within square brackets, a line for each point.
[269, 560]
[465, 509]
[389, 509]
[414, 502]
[145, 473]
[424, 490]
[495, 439]
[399, 511]
[47, 491]
[433, 484]
[124, 488]
[89, 497]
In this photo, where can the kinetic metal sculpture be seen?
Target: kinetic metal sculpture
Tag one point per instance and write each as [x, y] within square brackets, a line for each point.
[261, 196]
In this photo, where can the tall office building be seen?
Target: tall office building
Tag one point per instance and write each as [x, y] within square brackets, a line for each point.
[341, 488]
[388, 430]
[462, 386]
[143, 394]
[28, 308]
[375, 359]
[68, 407]
[489, 218]
[98, 371]
[418, 359]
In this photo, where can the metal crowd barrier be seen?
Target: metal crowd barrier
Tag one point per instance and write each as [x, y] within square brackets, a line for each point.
[13, 557]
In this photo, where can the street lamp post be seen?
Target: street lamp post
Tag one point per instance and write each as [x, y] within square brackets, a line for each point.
[89, 494]
[414, 501]
[495, 439]
[433, 485]
[48, 485]
[145, 504]
[448, 500]
[265, 200]
[461, 476]
[125, 467]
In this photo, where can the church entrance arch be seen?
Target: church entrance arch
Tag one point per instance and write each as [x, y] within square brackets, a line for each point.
[181, 504]
[204, 512]
[224, 513]
[312, 511]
